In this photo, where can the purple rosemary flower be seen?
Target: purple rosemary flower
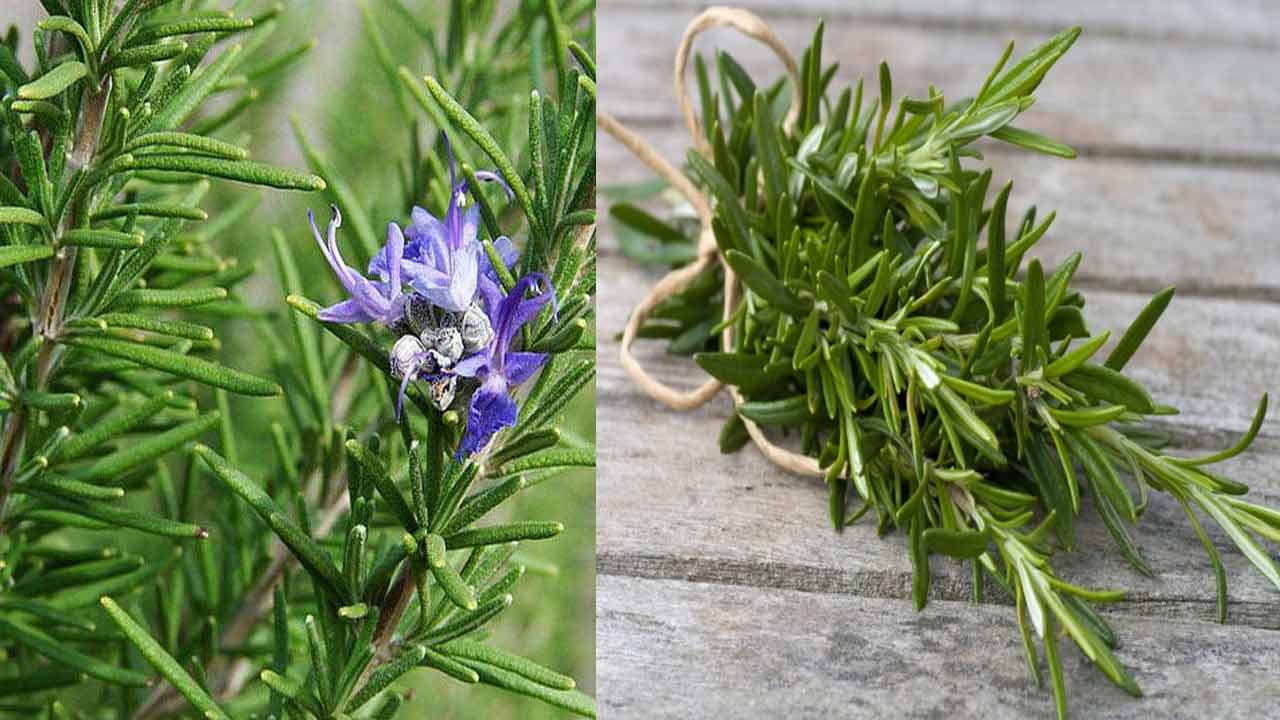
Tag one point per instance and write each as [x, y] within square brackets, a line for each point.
[371, 301]
[443, 260]
[499, 368]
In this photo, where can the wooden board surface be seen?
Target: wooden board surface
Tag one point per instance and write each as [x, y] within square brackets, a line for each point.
[1134, 97]
[723, 590]
[669, 649]
[1239, 22]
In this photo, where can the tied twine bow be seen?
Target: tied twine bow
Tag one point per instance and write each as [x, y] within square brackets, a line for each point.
[754, 27]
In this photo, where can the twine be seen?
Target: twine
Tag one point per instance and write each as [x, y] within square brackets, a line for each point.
[673, 282]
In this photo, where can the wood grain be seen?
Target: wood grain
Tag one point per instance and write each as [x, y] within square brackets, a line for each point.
[1231, 22]
[669, 649]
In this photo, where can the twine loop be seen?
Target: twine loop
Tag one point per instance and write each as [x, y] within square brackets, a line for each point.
[677, 280]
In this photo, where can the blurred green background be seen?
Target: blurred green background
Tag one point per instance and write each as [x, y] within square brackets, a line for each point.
[345, 104]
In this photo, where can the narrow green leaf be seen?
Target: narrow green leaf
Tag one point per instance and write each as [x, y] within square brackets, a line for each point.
[53, 82]
[150, 323]
[745, 371]
[109, 239]
[160, 210]
[245, 171]
[1077, 357]
[148, 449]
[511, 532]
[481, 137]
[109, 427]
[1238, 446]
[1139, 328]
[572, 700]
[376, 471]
[787, 411]
[181, 365]
[14, 215]
[112, 514]
[1088, 417]
[163, 662]
[1249, 547]
[304, 547]
[382, 677]
[176, 298]
[490, 655]
[187, 141]
[450, 667]
[145, 55]
[1034, 141]
[454, 586]
[191, 25]
[1034, 336]
[1104, 383]
[765, 284]
[955, 543]
[980, 393]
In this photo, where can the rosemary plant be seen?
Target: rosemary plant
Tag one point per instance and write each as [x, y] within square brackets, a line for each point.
[944, 385]
[311, 579]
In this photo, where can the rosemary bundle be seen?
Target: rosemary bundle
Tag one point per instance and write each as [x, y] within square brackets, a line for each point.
[895, 323]
[348, 531]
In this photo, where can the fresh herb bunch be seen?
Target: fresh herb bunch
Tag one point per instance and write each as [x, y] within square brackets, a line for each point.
[952, 386]
[105, 395]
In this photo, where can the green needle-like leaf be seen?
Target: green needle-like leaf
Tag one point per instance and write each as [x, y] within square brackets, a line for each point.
[193, 368]
[1138, 329]
[53, 82]
[163, 662]
[308, 551]
[480, 136]
[19, 216]
[245, 171]
[510, 532]
[454, 586]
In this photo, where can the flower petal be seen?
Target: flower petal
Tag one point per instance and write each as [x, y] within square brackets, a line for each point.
[395, 254]
[470, 225]
[490, 176]
[347, 311]
[472, 364]
[491, 410]
[520, 366]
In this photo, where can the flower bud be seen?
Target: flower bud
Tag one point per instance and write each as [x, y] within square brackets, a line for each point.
[475, 328]
[406, 356]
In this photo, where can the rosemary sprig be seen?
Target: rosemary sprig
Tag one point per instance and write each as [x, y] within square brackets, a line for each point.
[952, 386]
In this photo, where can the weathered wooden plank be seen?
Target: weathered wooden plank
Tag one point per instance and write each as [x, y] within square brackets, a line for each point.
[1130, 96]
[1141, 226]
[671, 649]
[674, 507]
[1181, 21]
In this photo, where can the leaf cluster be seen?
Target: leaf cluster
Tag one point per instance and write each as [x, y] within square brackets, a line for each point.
[891, 321]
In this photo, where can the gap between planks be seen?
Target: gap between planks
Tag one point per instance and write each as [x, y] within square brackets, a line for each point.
[891, 585]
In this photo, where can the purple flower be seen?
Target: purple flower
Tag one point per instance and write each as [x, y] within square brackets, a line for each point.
[443, 260]
[499, 368]
[371, 301]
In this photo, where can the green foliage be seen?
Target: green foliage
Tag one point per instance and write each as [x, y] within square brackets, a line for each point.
[352, 556]
[952, 387]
